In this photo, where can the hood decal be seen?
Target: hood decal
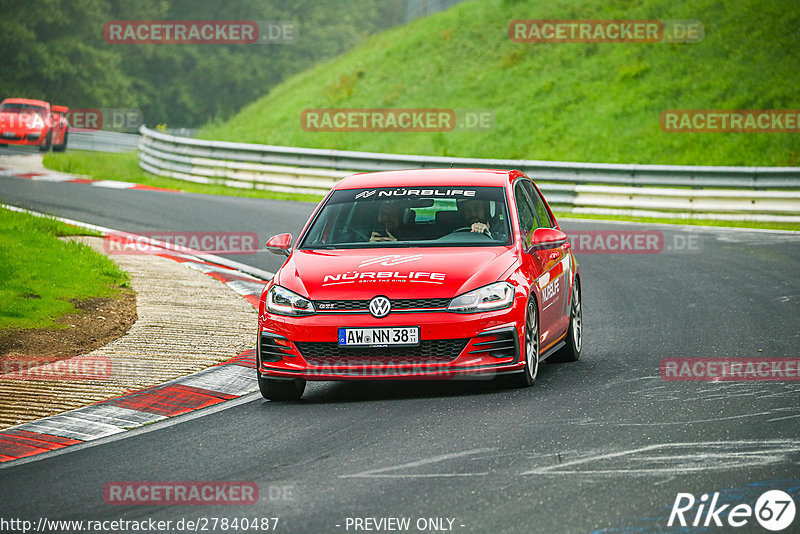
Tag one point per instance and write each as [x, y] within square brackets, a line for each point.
[352, 277]
[391, 259]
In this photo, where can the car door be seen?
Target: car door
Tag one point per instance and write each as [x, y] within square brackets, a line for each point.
[562, 271]
[544, 267]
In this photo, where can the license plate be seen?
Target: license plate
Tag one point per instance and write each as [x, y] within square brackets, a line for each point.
[379, 337]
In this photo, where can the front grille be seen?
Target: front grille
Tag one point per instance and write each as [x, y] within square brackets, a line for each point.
[341, 305]
[407, 304]
[428, 351]
[363, 305]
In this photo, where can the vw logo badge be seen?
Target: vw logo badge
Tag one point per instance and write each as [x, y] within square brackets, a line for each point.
[380, 307]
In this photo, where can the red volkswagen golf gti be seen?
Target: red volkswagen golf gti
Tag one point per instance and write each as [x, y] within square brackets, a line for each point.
[421, 274]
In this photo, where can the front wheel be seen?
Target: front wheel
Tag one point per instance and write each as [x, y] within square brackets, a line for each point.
[63, 146]
[571, 351]
[527, 377]
[281, 390]
[44, 147]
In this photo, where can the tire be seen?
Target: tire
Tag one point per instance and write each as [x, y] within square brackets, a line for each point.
[281, 390]
[46, 146]
[527, 377]
[571, 351]
[63, 146]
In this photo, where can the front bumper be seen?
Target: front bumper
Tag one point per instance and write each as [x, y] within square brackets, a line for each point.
[451, 345]
[22, 137]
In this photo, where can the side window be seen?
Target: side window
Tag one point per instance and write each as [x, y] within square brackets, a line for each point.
[526, 213]
[541, 211]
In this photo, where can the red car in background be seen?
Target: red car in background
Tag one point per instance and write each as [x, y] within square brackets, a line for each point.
[421, 274]
[24, 121]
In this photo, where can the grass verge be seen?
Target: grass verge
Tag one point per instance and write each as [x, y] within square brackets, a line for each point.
[593, 102]
[40, 274]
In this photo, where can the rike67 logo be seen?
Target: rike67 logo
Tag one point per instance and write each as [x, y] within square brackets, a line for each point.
[774, 510]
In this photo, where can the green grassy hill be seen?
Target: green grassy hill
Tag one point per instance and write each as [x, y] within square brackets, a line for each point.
[572, 102]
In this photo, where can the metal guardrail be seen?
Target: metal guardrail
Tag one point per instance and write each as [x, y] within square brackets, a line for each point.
[102, 140]
[753, 193]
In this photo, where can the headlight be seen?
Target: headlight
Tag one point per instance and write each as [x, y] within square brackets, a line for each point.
[492, 297]
[284, 302]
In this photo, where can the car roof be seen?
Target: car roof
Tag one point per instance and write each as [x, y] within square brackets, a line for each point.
[429, 177]
[25, 101]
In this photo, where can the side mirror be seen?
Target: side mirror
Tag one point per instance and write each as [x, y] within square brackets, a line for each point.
[280, 244]
[60, 109]
[546, 238]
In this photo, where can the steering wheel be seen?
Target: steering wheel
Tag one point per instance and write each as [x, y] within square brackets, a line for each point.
[359, 233]
[469, 229]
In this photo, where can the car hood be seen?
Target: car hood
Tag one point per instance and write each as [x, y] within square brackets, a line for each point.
[398, 273]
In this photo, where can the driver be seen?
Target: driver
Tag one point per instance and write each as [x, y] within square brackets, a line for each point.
[389, 226]
[475, 214]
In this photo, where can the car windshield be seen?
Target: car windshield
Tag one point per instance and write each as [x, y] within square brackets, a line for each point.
[10, 107]
[411, 217]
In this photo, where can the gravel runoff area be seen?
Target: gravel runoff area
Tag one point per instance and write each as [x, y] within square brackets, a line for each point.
[187, 321]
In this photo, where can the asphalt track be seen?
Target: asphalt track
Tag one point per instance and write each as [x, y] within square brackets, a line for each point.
[604, 444]
[13, 150]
